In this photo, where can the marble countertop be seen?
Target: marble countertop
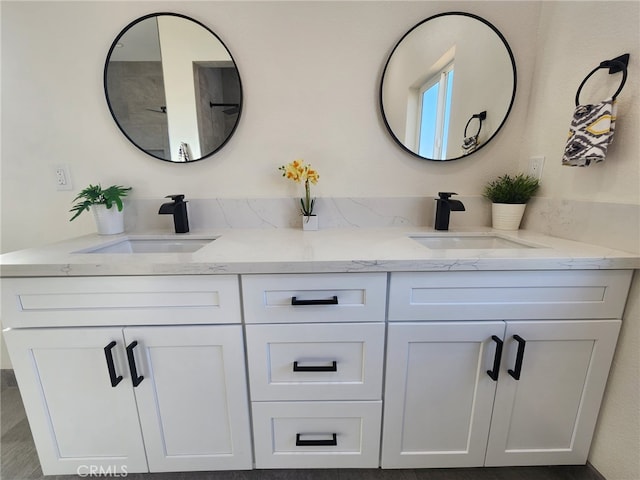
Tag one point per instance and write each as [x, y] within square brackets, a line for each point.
[285, 250]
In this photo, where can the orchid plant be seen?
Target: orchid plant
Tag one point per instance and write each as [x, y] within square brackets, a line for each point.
[298, 171]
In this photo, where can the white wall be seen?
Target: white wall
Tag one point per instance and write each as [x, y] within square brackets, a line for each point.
[310, 73]
[600, 203]
[574, 38]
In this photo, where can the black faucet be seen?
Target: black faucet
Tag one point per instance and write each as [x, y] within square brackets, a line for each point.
[444, 206]
[178, 208]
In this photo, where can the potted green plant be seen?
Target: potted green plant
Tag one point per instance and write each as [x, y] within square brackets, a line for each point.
[101, 201]
[298, 171]
[509, 196]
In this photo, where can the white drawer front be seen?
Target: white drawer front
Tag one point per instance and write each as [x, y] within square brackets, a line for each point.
[287, 434]
[508, 295]
[316, 362]
[353, 297]
[90, 301]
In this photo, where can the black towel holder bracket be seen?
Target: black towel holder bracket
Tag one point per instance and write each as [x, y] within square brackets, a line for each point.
[615, 65]
[480, 116]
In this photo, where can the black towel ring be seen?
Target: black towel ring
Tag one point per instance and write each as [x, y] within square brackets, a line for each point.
[480, 116]
[618, 64]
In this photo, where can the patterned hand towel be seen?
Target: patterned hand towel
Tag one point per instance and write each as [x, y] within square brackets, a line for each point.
[183, 153]
[469, 144]
[590, 134]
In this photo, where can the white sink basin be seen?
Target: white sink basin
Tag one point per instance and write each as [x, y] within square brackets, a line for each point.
[150, 245]
[461, 241]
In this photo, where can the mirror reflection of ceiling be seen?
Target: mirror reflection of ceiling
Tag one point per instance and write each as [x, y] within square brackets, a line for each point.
[173, 88]
[139, 44]
[448, 86]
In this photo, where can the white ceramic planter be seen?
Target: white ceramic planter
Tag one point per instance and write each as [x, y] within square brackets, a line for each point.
[310, 222]
[109, 221]
[507, 216]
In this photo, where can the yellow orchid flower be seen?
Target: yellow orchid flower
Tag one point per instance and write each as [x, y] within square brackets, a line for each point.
[312, 176]
[298, 171]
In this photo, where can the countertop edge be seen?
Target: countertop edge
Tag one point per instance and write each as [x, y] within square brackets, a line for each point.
[255, 251]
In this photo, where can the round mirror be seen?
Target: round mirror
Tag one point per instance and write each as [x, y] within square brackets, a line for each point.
[448, 86]
[172, 87]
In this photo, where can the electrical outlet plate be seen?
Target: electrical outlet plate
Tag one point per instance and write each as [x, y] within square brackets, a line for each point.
[63, 177]
[535, 167]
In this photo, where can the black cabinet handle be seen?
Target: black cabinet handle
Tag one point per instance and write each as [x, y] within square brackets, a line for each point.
[316, 368]
[519, 356]
[135, 379]
[493, 373]
[327, 301]
[317, 443]
[115, 379]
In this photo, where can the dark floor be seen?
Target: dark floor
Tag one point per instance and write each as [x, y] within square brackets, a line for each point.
[19, 461]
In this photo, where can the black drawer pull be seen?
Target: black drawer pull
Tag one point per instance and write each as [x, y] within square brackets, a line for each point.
[316, 368]
[493, 373]
[326, 301]
[115, 379]
[317, 443]
[519, 356]
[135, 379]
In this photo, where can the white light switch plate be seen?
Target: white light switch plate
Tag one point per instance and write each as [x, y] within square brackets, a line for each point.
[535, 167]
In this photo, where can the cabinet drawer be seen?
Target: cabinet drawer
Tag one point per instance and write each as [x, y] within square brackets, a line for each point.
[316, 362]
[91, 301]
[354, 297]
[317, 434]
[508, 295]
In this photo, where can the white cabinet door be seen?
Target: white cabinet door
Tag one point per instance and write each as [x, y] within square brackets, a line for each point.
[78, 419]
[548, 415]
[438, 395]
[192, 401]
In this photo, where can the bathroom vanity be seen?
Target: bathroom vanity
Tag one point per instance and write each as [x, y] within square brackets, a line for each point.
[338, 348]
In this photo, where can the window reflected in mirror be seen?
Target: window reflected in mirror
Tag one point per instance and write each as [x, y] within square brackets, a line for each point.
[442, 72]
[435, 113]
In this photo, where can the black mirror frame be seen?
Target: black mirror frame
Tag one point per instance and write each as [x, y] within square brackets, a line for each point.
[513, 94]
[106, 93]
